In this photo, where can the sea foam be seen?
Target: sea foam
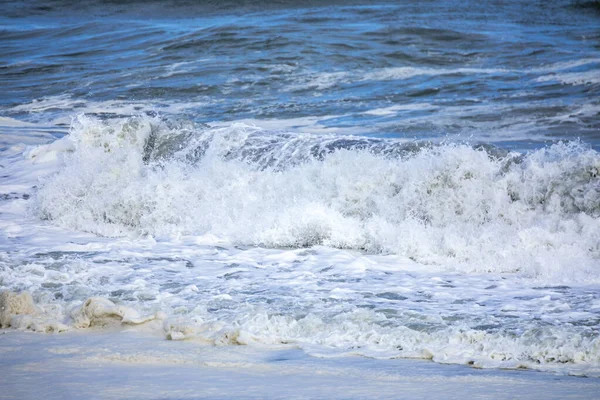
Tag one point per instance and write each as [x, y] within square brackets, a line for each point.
[462, 206]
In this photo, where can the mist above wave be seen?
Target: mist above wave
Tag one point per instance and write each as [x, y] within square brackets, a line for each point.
[470, 208]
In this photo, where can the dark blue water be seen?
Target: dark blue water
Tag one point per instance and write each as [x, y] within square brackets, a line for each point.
[517, 74]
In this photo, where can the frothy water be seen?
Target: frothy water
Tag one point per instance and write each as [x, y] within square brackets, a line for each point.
[449, 204]
[385, 180]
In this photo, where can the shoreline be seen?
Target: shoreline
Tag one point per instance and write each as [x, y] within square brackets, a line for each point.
[129, 364]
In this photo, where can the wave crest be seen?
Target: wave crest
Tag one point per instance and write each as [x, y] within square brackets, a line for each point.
[471, 208]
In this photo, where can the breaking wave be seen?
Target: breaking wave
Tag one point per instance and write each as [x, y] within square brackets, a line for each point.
[473, 208]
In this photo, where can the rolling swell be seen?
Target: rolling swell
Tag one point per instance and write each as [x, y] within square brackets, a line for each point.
[458, 205]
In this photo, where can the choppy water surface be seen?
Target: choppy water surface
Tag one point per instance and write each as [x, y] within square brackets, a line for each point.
[389, 179]
[516, 73]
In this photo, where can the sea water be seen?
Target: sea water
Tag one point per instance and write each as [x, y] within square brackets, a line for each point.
[382, 179]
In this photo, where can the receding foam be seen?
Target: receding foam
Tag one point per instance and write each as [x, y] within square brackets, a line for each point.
[13, 305]
[101, 312]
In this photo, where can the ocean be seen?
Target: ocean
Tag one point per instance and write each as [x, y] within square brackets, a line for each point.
[376, 179]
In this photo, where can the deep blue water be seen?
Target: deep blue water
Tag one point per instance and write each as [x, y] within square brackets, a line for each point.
[518, 74]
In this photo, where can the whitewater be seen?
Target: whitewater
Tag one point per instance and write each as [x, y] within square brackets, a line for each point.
[337, 188]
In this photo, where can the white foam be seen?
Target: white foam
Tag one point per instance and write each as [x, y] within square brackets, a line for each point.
[18, 311]
[386, 74]
[323, 80]
[393, 110]
[573, 78]
[438, 206]
[326, 80]
[313, 125]
[43, 108]
[97, 311]
[563, 65]
[12, 305]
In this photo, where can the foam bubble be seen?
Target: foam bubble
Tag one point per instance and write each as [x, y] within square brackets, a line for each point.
[98, 311]
[18, 311]
[13, 305]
